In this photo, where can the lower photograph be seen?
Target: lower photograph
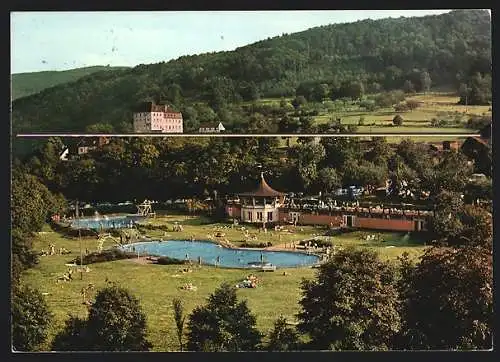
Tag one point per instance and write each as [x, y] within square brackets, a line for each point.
[229, 244]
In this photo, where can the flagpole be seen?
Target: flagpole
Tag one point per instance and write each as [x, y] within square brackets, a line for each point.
[80, 239]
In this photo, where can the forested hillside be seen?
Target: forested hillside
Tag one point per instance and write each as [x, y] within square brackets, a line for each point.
[334, 61]
[25, 84]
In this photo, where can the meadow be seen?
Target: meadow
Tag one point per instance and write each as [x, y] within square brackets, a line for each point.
[435, 105]
[438, 105]
[156, 285]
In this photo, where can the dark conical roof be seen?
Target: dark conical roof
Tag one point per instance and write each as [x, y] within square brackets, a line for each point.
[263, 189]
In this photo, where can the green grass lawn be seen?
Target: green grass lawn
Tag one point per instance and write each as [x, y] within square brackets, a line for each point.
[156, 285]
[199, 228]
[398, 139]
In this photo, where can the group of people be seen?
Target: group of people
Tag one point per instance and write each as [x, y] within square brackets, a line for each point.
[189, 286]
[251, 281]
[177, 227]
[371, 237]
[291, 245]
[68, 275]
[52, 251]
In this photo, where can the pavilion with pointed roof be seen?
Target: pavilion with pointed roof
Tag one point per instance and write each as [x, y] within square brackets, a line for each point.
[261, 205]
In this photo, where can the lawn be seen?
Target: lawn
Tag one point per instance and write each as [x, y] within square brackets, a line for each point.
[201, 229]
[156, 285]
[416, 139]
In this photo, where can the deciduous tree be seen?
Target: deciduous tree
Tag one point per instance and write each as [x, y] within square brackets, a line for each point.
[283, 338]
[115, 322]
[351, 304]
[223, 324]
[31, 319]
[179, 319]
[397, 120]
[449, 301]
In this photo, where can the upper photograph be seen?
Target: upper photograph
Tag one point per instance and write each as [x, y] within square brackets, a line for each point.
[251, 72]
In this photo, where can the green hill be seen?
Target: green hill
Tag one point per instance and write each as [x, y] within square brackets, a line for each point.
[378, 55]
[25, 84]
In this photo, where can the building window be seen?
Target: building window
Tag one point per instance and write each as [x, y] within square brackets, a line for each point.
[269, 216]
[249, 216]
[259, 216]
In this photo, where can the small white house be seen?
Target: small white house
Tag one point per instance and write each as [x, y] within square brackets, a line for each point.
[64, 154]
[477, 177]
[211, 127]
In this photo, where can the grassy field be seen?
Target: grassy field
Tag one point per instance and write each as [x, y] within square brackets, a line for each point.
[438, 105]
[156, 285]
[25, 84]
[201, 229]
[441, 106]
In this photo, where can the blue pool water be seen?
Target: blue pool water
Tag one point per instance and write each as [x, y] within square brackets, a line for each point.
[230, 258]
[106, 222]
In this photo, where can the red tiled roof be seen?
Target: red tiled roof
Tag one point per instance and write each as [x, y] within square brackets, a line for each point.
[152, 107]
[481, 140]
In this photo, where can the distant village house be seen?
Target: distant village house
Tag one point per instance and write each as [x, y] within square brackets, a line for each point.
[83, 147]
[89, 144]
[211, 127]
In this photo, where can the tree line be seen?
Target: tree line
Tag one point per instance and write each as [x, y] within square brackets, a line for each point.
[172, 168]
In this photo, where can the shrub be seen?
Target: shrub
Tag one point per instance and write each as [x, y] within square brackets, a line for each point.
[397, 120]
[283, 337]
[153, 227]
[31, 319]
[412, 104]
[256, 245]
[320, 243]
[401, 107]
[438, 123]
[478, 122]
[165, 260]
[369, 105]
[106, 255]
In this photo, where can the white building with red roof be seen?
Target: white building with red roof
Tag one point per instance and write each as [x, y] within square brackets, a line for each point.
[155, 118]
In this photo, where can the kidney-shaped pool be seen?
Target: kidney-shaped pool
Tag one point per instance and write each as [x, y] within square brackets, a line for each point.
[212, 254]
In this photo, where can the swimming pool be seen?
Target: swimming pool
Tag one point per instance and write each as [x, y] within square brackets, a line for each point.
[106, 222]
[229, 258]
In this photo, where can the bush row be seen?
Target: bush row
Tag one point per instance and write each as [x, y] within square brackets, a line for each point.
[254, 245]
[320, 243]
[165, 260]
[106, 255]
[153, 227]
[69, 231]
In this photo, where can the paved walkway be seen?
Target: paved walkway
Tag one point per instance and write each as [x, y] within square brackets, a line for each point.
[281, 247]
[141, 260]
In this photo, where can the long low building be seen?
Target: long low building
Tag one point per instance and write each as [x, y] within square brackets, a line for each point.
[266, 205]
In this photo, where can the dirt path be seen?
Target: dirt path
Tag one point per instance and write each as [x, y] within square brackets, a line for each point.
[141, 260]
[282, 246]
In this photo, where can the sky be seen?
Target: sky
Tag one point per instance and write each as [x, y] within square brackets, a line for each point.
[65, 40]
